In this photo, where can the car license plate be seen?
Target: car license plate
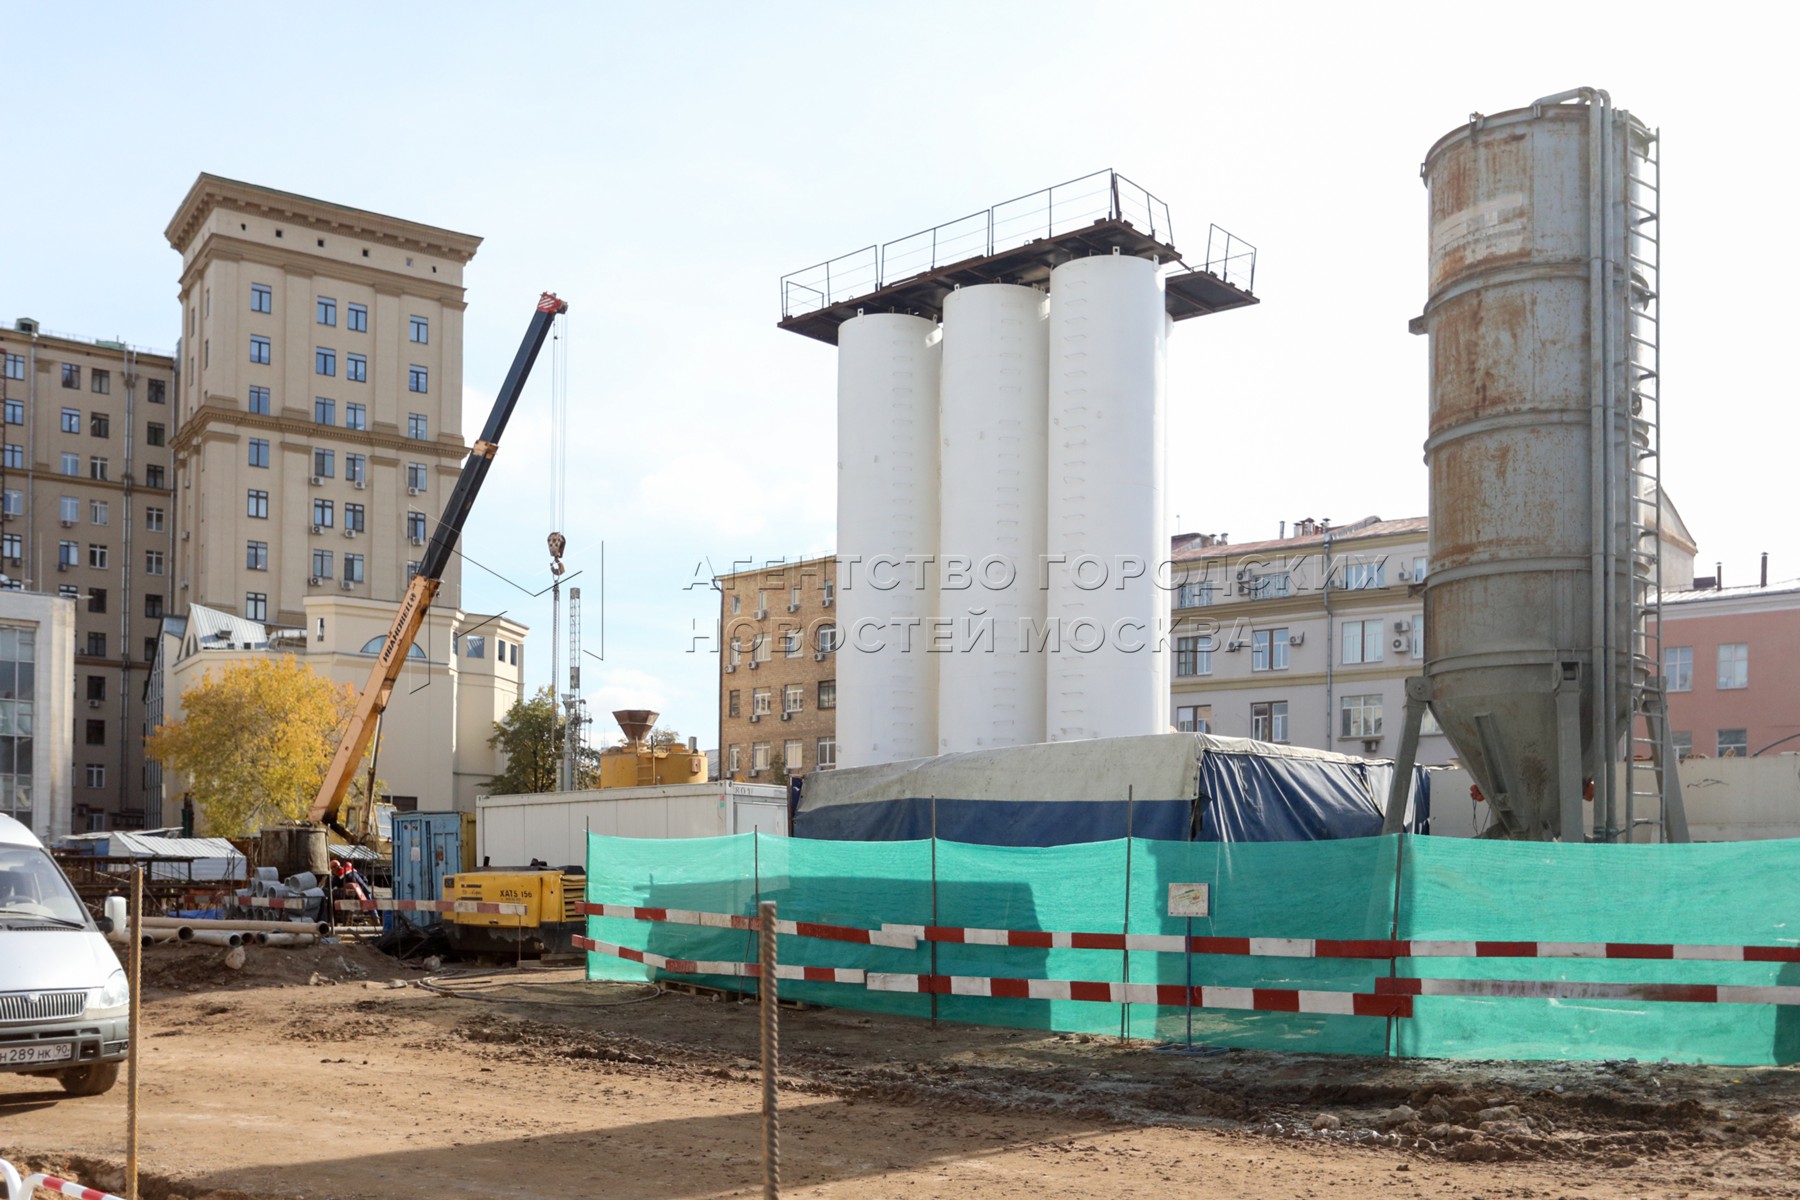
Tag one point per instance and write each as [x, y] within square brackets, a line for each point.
[56, 1052]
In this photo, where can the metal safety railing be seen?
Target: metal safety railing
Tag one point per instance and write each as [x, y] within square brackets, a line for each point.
[1048, 212]
[1230, 258]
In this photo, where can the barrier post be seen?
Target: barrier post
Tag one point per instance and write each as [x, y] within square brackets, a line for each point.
[768, 990]
[134, 1014]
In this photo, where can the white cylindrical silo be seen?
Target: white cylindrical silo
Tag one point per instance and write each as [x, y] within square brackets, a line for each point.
[991, 424]
[887, 538]
[1104, 539]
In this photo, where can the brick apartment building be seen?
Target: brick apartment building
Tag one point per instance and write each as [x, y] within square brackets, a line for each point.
[778, 675]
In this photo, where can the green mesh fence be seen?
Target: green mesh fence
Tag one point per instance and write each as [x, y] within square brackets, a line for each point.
[1366, 888]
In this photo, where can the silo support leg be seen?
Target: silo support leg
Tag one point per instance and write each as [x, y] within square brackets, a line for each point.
[1675, 825]
[1568, 753]
[1418, 693]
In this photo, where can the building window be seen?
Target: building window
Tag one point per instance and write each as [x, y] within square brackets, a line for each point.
[324, 463]
[825, 753]
[759, 702]
[1269, 649]
[761, 648]
[71, 420]
[324, 411]
[1194, 594]
[152, 608]
[259, 349]
[415, 527]
[1270, 587]
[96, 645]
[97, 556]
[1684, 744]
[356, 468]
[356, 368]
[1362, 641]
[324, 361]
[153, 562]
[793, 697]
[321, 564]
[67, 554]
[71, 463]
[324, 513]
[153, 476]
[791, 755]
[12, 502]
[259, 452]
[15, 366]
[326, 309]
[68, 591]
[791, 643]
[1733, 743]
[417, 380]
[153, 434]
[70, 509]
[96, 687]
[71, 375]
[97, 467]
[417, 426]
[759, 757]
[12, 546]
[415, 480]
[96, 775]
[419, 330]
[1193, 655]
[353, 570]
[256, 556]
[826, 639]
[96, 600]
[733, 707]
[259, 400]
[99, 512]
[256, 504]
[474, 646]
[1359, 716]
[356, 318]
[1268, 721]
[1194, 718]
[1361, 575]
[736, 761]
[356, 416]
[256, 606]
[353, 518]
[827, 693]
[102, 381]
[262, 298]
[15, 412]
[1678, 668]
[149, 649]
[737, 604]
[153, 520]
[1734, 665]
[96, 732]
[99, 425]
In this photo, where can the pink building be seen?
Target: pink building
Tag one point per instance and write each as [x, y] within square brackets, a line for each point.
[1732, 659]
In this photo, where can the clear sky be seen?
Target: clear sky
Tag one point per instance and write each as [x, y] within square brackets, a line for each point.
[662, 165]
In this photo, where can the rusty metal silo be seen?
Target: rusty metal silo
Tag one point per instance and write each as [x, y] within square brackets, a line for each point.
[1544, 550]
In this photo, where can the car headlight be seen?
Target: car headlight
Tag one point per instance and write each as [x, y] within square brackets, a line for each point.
[116, 994]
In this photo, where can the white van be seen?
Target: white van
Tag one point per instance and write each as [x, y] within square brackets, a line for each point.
[64, 1001]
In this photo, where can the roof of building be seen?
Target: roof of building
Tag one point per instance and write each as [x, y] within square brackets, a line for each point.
[776, 567]
[211, 191]
[215, 630]
[1702, 595]
[1368, 527]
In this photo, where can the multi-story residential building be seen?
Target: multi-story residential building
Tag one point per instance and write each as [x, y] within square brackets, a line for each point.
[87, 515]
[38, 705]
[319, 420]
[778, 674]
[1305, 639]
[1731, 657]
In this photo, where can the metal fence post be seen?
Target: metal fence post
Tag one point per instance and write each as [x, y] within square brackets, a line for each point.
[135, 1012]
[769, 991]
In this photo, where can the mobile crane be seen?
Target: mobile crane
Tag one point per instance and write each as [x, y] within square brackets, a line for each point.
[424, 586]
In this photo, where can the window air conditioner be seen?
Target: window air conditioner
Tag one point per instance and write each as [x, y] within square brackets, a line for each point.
[828, 601]
[412, 491]
[818, 656]
[318, 529]
[417, 541]
[1400, 643]
[92, 703]
[762, 614]
[730, 667]
[68, 524]
[1234, 647]
[754, 718]
[348, 584]
[317, 481]
[793, 606]
[359, 484]
[1402, 627]
[754, 664]
[312, 581]
[349, 533]
[1296, 639]
[787, 714]
[186, 534]
[1405, 575]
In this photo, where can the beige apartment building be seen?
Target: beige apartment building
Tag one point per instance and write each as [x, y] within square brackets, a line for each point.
[86, 513]
[319, 422]
[778, 674]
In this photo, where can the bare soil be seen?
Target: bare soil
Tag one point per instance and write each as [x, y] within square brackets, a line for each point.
[333, 1071]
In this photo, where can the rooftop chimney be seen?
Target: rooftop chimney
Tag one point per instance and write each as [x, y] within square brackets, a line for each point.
[636, 723]
[1765, 569]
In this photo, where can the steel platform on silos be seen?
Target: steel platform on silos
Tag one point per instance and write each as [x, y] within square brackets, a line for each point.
[1103, 213]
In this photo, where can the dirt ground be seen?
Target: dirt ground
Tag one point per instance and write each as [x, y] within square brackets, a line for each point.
[331, 1072]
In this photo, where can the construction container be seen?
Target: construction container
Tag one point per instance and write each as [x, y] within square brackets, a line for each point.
[428, 847]
[551, 827]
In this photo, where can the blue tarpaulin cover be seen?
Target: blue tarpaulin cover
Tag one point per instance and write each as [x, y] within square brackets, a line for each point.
[1170, 787]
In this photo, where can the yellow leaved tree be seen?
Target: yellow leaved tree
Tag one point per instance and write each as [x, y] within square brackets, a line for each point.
[254, 742]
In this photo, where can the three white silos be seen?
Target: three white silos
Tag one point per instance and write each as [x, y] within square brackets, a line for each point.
[1000, 517]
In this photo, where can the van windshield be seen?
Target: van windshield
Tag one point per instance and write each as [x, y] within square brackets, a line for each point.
[32, 887]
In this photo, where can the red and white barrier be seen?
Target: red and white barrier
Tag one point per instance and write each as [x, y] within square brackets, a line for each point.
[289, 903]
[1167, 995]
[710, 920]
[24, 1188]
[441, 906]
[744, 970]
[1567, 989]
